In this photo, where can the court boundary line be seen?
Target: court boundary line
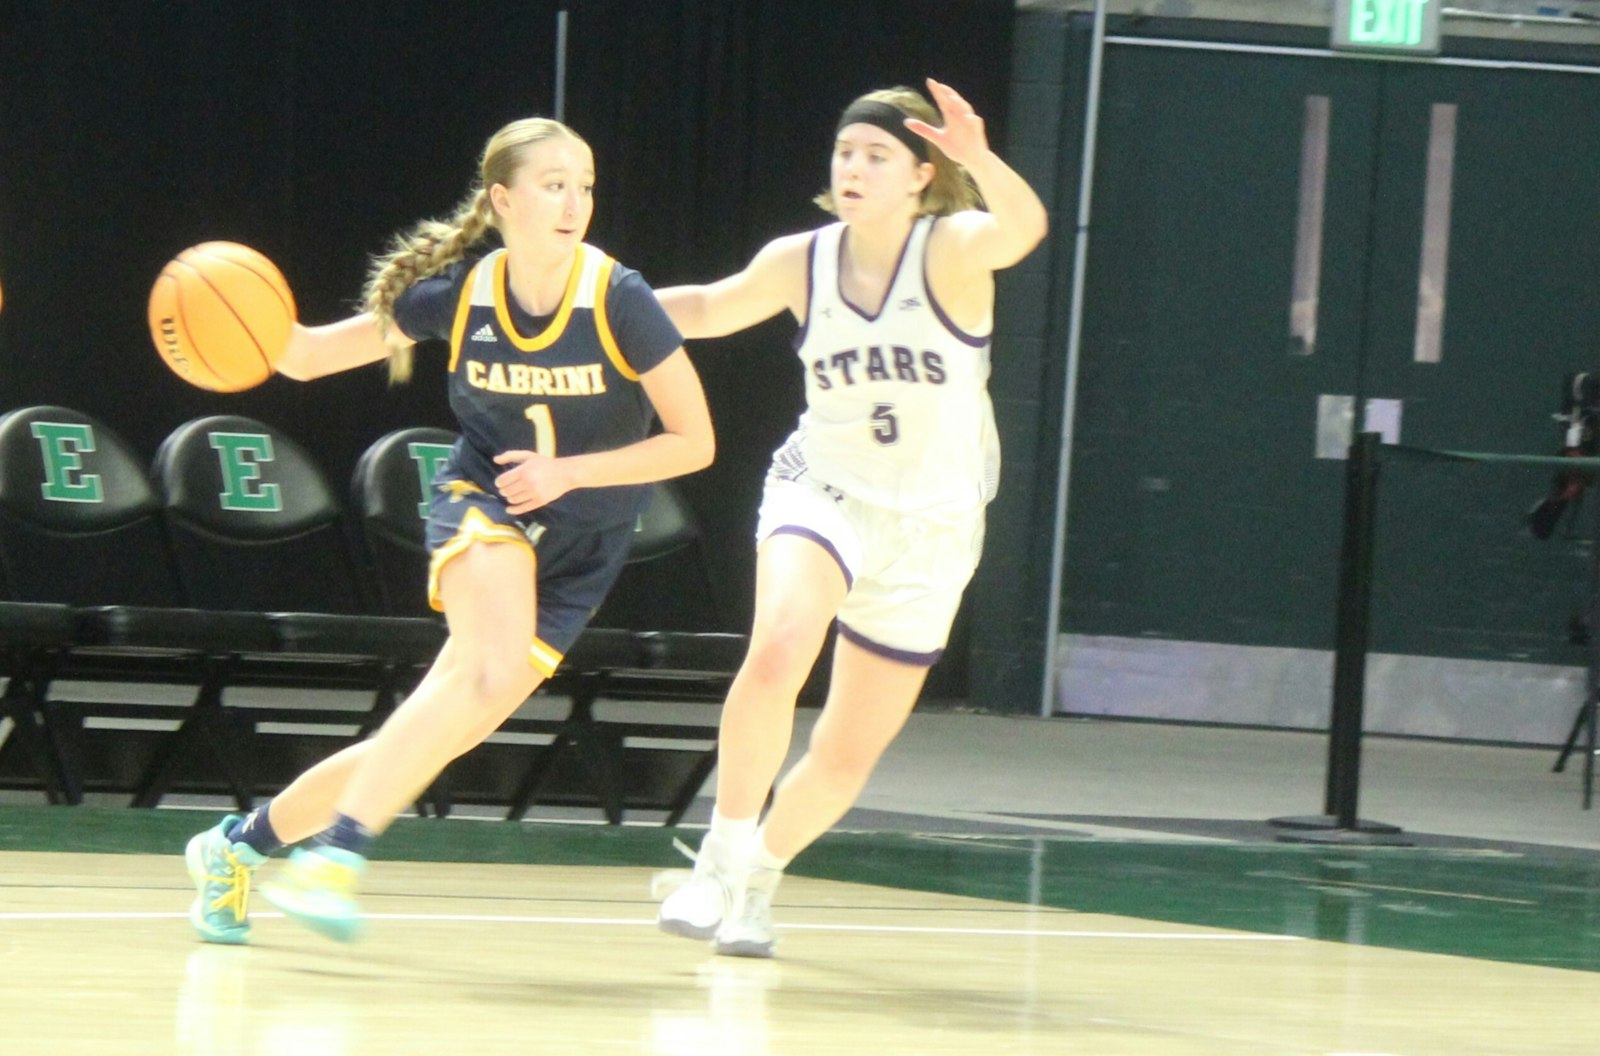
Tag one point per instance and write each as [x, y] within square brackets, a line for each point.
[487, 918]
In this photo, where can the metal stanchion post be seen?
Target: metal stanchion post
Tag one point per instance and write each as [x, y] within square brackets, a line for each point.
[1339, 823]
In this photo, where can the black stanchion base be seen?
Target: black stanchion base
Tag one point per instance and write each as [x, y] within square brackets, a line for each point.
[1331, 821]
[1325, 828]
[1346, 837]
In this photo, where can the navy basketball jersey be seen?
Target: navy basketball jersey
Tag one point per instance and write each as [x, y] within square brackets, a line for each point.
[567, 389]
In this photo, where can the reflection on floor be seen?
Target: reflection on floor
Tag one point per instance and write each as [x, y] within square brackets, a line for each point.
[512, 958]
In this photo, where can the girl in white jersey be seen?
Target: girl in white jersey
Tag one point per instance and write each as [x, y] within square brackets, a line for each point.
[873, 508]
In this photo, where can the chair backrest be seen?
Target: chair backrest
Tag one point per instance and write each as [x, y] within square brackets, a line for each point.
[389, 494]
[253, 522]
[666, 525]
[80, 523]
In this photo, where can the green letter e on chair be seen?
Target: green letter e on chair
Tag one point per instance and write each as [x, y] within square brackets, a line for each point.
[241, 455]
[62, 444]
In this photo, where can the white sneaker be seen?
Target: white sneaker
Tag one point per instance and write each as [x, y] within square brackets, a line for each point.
[749, 934]
[697, 908]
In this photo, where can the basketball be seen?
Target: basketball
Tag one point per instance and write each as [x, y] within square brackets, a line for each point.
[221, 315]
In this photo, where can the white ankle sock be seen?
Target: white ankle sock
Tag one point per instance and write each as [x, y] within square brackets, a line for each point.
[733, 831]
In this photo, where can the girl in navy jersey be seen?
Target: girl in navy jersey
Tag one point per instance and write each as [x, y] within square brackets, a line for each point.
[559, 359]
[873, 509]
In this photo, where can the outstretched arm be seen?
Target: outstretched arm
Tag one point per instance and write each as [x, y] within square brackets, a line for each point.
[316, 351]
[774, 279]
[1016, 220]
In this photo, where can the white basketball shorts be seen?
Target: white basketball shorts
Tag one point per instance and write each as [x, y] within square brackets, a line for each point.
[906, 573]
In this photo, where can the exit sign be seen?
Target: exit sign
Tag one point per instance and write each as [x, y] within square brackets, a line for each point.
[1395, 26]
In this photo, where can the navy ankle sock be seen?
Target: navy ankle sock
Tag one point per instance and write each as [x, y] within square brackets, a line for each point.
[346, 834]
[255, 831]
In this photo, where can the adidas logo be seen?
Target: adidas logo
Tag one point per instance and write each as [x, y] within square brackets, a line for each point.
[484, 333]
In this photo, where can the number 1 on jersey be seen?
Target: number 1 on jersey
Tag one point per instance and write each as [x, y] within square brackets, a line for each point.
[544, 429]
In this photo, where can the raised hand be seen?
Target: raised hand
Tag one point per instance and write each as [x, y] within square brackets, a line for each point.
[962, 138]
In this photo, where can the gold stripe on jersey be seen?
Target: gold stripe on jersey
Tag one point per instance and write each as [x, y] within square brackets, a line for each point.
[557, 325]
[475, 528]
[602, 325]
[458, 331]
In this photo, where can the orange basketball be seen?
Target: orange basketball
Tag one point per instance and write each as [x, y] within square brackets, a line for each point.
[221, 315]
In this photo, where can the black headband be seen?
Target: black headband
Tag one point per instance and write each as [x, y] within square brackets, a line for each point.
[888, 117]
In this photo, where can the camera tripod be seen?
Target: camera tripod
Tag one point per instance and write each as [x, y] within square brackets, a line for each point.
[1584, 723]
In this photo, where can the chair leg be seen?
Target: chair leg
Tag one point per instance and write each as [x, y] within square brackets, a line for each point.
[30, 737]
[385, 699]
[38, 732]
[223, 733]
[440, 797]
[538, 775]
[690, 788]
[602, 752]
[578, 725]
[207, 722]
[63, 729]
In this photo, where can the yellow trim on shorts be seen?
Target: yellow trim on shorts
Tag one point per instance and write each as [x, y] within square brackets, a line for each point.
[602, 327]
[458, 331]
[475, 528]
[557, 326]
[543, 659]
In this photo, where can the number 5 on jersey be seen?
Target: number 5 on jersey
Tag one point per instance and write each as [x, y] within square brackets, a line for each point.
[885, 426]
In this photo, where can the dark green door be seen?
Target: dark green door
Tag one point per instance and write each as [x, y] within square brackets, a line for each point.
[1513, 189]
[1198, 509]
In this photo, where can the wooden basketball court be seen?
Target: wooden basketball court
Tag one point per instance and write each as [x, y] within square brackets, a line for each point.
[566, 959]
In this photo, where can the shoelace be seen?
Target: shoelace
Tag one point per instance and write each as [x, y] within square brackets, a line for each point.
[237, 883]
[316, 872]
[668, 881]
[664, 882]
[694, 857]
[756, 910]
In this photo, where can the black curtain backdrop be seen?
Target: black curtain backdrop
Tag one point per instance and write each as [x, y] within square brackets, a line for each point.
[313, 129]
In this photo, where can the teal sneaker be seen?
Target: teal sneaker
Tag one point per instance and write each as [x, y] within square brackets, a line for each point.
[221, 872]
[317, 887]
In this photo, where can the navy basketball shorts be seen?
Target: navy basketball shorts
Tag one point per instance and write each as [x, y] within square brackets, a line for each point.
[575, 566]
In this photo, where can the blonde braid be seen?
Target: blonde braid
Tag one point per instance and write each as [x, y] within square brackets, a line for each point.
[434, 245]
[426, 249]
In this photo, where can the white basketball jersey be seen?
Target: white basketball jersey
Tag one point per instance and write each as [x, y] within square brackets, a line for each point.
[897, 406]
